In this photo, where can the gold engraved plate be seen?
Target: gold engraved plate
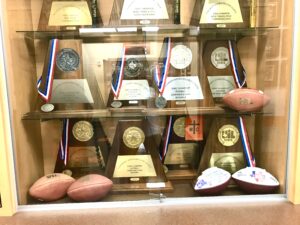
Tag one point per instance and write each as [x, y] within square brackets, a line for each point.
[133, 137]
[230, 162]
[83, 130]
[221, 12]
[69, 13]
[220, 58]
[83, 157]
[228, 135]
[179, 127]
[181, 57]
[134, 166]
[181, 153]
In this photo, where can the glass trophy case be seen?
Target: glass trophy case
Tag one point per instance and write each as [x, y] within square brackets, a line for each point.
[130, 100]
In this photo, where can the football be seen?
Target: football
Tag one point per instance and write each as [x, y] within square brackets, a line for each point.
[246, 99]
[91, 187]
[254, 180]
[51, 187]
[213, 181]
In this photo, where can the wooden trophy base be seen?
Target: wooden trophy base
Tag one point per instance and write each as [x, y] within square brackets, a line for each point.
[134, 164]
[223, 147]
[125, 12]
[67, 15]
[88, 149]
[221, 14]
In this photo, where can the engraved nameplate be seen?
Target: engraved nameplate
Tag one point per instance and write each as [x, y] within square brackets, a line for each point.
[134, 90]
[181, 153]
[150, 9]
[134, 166]
[230, 162]
[69, 13]
[183, 88]
[220, 85]
[221, 12]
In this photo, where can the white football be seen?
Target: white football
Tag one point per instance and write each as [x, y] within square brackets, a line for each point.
[255, 180]
[212, 181]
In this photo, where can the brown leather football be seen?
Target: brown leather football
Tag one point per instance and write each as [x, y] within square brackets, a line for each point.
[91, 187]
[51, 187]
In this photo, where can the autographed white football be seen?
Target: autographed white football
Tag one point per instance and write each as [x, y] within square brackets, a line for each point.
[212, 181]
[255, 180]
[246, 99]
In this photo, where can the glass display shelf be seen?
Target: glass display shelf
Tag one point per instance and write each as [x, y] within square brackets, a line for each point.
[135, 112]
[122, 32]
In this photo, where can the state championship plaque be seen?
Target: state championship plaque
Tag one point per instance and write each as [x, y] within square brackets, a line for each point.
[181, 146]
[68, 15]
[136, 12]
[177, 78]
[224, 146]
[221, 14]
[62, 83]
[130, 85]
[223, 67]
[83, 148]
[133, 163]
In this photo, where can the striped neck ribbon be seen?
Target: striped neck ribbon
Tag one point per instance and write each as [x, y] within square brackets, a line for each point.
[161, 74]
[116, 86]
[45, 94]
[64, 142]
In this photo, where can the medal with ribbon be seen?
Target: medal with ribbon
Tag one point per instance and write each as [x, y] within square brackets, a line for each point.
[45, 90]
[64, 142]
[117, 84]
[250, 160]
[161, 74]
[164, 149]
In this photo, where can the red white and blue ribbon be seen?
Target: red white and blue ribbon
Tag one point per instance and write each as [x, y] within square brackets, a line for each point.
[160, 75]
[246, 144]
[64, 142]
[116, 87]
[250, 160]
[164, 150]
[234, 67]
[46, 93]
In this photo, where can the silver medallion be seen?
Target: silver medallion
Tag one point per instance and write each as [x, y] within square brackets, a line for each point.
[160, 102]
[67, 172]
[67, 60]
[133, 68]
[181, 57]
[47, 107]
[116, 104]
[220, 58]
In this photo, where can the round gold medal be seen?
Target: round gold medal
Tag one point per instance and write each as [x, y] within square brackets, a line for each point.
[228, 135]
[133, 137]
[83, 130]
[179, 127]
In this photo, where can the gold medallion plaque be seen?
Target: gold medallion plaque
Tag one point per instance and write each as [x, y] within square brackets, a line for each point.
[83, 130]
[179, 127]
[133, 137]
[228, 135]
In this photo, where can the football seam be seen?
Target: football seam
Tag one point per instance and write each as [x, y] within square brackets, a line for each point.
[86, 186]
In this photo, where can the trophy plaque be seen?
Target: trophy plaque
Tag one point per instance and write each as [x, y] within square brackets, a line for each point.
[62, 83]
[136, 12]
[83, 149]
[130, 79]
[224, 146]
[68, 15]
[134, 164]
[223, 67]
[177, 78]
[221, 14]
[181, 146]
